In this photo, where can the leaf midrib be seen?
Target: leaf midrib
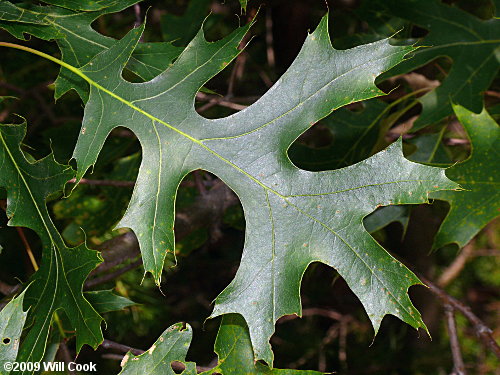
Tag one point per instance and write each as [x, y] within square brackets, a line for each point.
[78, 72]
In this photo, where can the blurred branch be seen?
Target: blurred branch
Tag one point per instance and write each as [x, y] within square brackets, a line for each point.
[271, 59]
[207, 208]
[108, 344]
[487, 253]
[338, 329]
[456, 141]
[454, 269]
[138, 18]
[482, 331]
[492, 93]
[115, 183]
[316, 311]
[111, 275]
[217, 100]
[7, 289]
[458, 362]
[66, 355]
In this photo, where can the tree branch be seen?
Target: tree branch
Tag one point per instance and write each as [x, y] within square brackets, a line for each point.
[84, 181]
[214, 100]
[112, 275]
[7, 289]
[108, 344]
[458, 362]
[317, 311]
[482, 331]
[207, 208]
[454, 269]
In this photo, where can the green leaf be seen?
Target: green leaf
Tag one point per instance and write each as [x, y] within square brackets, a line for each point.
[73, 32]
[430, 149]
[171, 346]
[105, 301]
[471, 43]
[234, 349]
[294, 217]
[181, 29]
[386, 215]
[94, 211]
[59, 281]
[12, 319]
[87, 5]
[479, 175]
[354, 134]
[243, 4]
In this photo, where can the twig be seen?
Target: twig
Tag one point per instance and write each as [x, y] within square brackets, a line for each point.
[271, 60]
[7, 289]
[315, 311]
[214, 100]
[239, 67]
[66, 355]
[492, 93]
[198, 180]
[28, 248]
[458, 362]
[115, 183]
[138, 18]
[454, 269]
[117, 251]
[455, 141]
[487, 253]
[108, 344]
[482, 331]
[343, 344]
[207, 208]
[112, 275]
[265, 78]
[114, 357]
[440, 69]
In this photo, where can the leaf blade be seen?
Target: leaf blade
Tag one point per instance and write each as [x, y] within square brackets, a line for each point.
[248, 152]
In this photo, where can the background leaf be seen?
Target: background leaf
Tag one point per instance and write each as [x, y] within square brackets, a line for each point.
[58, 283]
[479, 203]
[458, 35]
[12, 319]
[104, 301]
[73, 32]
[171, 346]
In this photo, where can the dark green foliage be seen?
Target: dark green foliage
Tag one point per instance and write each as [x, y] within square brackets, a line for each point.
[328, 176]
